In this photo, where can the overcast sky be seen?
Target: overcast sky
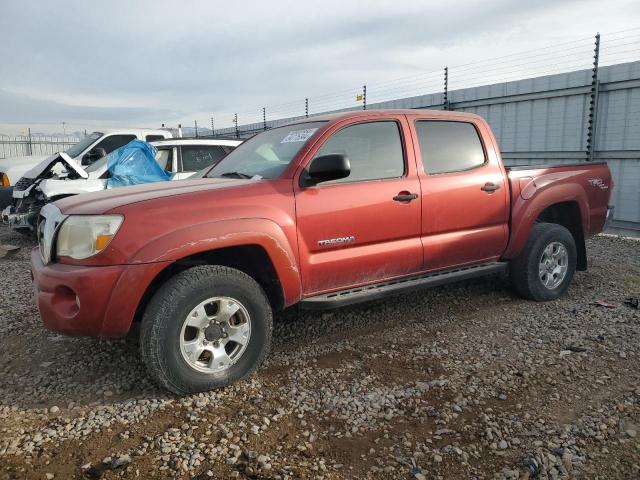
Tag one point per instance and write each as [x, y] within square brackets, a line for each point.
[143, 63]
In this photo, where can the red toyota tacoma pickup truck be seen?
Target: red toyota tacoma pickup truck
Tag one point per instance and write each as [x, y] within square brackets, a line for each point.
[324, 212]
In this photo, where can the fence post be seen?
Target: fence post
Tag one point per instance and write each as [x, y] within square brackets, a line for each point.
[264, 118]
[306, 107]
[593, 103]
[445, 100]
[213, 130]
[235, 122]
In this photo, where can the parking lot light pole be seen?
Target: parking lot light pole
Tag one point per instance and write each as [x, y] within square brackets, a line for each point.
[235, 122]
[306, 107]
[264, 118]
[213, 130]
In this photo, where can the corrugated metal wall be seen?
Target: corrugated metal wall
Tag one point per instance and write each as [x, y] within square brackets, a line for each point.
[544, 120]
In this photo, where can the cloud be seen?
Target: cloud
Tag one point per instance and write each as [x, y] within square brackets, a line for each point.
[151, 61]
[22, 109]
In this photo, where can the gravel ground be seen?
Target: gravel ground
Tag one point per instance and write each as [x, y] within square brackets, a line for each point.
[464, 381]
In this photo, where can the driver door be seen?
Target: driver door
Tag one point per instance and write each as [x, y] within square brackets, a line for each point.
[352, 231]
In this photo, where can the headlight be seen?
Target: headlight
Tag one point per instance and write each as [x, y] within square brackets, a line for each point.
[82, 236]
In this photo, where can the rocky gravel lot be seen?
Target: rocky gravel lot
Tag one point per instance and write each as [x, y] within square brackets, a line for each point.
[464, 381]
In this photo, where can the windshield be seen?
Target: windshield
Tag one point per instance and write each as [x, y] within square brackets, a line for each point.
[267, 154]
[82, 145]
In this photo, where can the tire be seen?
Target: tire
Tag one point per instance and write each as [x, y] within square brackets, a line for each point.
[525, 270]
[165, 325]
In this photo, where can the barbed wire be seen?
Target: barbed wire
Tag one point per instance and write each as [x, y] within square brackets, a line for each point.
[615, 47]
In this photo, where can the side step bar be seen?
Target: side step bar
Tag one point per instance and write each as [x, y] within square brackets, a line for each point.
[402, 285]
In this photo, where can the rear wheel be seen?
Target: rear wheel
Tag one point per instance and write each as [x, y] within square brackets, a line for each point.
[546, 266]
[205, 328]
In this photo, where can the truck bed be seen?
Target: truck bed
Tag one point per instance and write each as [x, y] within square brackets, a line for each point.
[583, 187]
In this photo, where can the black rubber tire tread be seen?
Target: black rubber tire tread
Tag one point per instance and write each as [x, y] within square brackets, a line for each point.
[524, 269]
[170, 305]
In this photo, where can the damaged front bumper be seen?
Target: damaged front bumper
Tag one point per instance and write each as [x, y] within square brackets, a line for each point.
[18, 220]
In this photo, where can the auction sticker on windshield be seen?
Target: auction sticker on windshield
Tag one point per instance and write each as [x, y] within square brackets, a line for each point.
[299, 135]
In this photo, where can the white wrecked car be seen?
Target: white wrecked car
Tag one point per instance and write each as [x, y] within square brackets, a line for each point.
[86, 151]
[178, 157]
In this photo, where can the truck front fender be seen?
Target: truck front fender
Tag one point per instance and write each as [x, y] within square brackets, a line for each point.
[524, 213]
[195, 239]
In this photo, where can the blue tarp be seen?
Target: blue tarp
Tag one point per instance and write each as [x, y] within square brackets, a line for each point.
[133, 164]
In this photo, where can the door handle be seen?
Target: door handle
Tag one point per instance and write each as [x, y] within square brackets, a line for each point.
[405, 197]
[489, 187]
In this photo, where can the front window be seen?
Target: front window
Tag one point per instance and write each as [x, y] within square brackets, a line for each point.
[82, 145]
[374, 150]
[266, 155]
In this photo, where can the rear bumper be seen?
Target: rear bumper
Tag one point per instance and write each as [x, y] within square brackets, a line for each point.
[90, 301]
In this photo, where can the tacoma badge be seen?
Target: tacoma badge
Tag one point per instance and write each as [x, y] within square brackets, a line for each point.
[334, 241]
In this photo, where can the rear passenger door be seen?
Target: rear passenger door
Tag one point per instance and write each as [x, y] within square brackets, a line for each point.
[196, 157]
[352, 231]
[464, 194]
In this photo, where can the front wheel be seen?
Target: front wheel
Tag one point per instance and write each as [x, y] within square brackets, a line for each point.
[545, 268]
[205, 328]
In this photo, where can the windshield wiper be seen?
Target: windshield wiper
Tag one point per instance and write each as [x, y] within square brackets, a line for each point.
[235, 174]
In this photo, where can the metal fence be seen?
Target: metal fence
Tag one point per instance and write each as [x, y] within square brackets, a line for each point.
[586, 53]
[566, 103]
[23, 145]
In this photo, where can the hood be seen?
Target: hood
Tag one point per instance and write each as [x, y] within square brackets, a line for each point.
[45, 166]
[107, 200]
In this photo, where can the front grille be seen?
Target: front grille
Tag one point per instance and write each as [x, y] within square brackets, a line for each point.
[23, 183]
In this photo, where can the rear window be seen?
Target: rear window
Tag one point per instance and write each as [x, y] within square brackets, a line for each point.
[197, 157]
[447, 147]
[153, 138]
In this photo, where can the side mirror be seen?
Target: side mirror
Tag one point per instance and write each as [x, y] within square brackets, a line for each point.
[326, 168]
[93, 155]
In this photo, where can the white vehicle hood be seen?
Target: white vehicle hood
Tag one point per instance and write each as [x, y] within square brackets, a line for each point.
[48, 162]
